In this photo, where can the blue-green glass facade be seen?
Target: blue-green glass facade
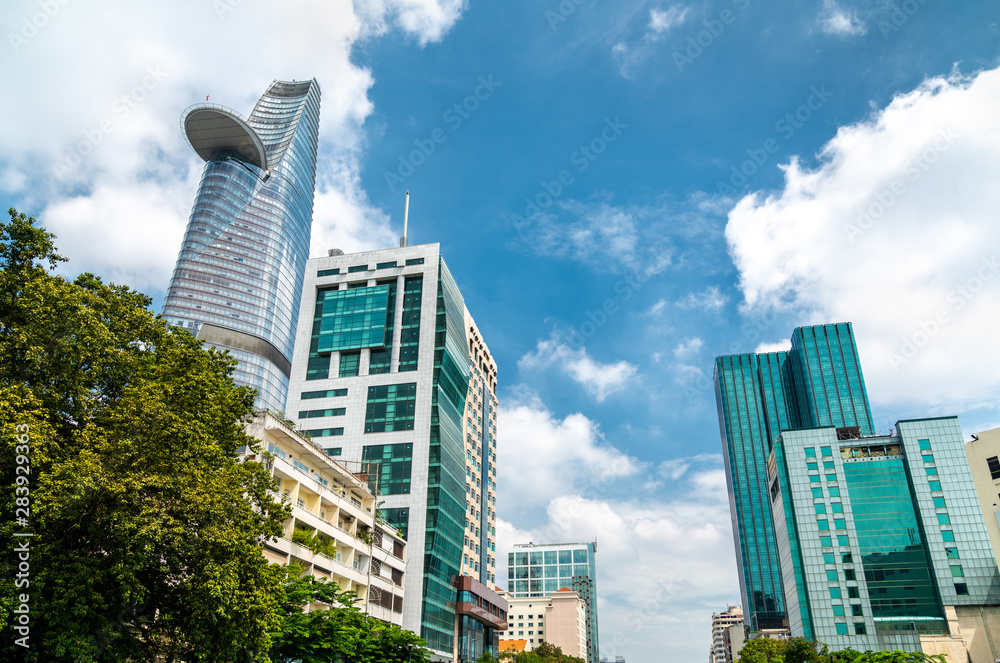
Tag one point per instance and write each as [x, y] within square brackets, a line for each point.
[238, 279]
[539, 570]
[391, 407]
[353, 319]
[817, 382]
[880, 545]
[446, 498]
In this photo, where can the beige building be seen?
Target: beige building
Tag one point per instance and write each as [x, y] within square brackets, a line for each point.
[721, 621]
[479, 550]
[983, 454]
[333, 531]
[559, 619]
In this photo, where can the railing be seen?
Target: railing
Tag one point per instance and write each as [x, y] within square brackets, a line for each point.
[324, 489]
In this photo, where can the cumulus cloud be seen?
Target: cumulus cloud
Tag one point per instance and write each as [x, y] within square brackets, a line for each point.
[640, 594]
[688, 348]
[599, 380]
[710, 299]
[665, 20]
[103, 163]
[779, 346]
[567, 456]
[894, 230]
[836, 20]
[661, 23]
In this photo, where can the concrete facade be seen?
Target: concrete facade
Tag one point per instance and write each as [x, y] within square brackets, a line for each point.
[982, 453]
[559, 619]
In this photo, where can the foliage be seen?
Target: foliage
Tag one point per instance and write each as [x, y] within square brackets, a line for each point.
[146, 528]
[546, 652]
[800, 650]
[306, 539]
[335, 628]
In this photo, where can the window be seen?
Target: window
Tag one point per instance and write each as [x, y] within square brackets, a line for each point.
[834, 491]
[837, 507]
[849, 574]
[330, 393]
[817, 492]
[329, 412]
[812, 466]
[935, 486]
[835, 592]
[961, 589]
[856, 610]
[328, 272]
[825, 542]
[842, 540]
[829, 558]
[810, 452]
[831, 575]
[957, 571]
[390, 407]
[924, 444]
[839, 523]
[838, 611]
[951, 552]
[994, 466]
[846, 558]
[325, 432]
[415, 261]
[357, 268]
[823, 524]
[349, 363]
[353, 319]
[385, 265]
[827, 464]
[825, 451]
[931, 471]
[814, 478]
[394, 463]
[928, 458]
[333, 451]
[831, 477]
[841, 629]
[939, 503]
[852, 593]
[947, 535]
[820, 508]
[943, 519]
[859, 627]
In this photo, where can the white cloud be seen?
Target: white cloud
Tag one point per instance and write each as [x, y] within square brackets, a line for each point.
[103, 163]
[711, 299]
[895, 231]
[778, 346]
[566, 456]
[688, 348]
[599, 380]
[662, 565]
[665, 20]
[836, 20]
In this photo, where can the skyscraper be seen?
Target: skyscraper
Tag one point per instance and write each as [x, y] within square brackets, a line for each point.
[386, 361]
[238, 278]
[818, 382]
[539, 570]
[881, 541]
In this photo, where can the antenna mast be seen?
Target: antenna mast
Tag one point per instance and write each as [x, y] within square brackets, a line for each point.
[406, 218]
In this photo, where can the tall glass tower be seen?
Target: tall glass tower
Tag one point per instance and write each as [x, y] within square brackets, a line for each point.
[238, 278]
[816, 383]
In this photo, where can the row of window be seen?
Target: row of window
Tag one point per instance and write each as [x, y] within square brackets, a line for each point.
[365, 268]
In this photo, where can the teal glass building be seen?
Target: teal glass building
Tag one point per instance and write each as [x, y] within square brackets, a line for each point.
[239, 273]
[818, 382]
[881, 543]
[542, 569]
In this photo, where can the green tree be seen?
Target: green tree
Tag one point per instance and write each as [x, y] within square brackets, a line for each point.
[546, 652]
[322, 624]
[800, 650]
[146, 528]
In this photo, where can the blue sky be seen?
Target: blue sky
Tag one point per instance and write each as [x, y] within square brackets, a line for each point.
[623, 191]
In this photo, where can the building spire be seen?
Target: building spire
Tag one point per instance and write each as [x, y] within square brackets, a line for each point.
[406, 217]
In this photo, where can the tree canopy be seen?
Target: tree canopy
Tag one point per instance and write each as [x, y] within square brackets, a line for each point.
[800, 650]
[145, 527]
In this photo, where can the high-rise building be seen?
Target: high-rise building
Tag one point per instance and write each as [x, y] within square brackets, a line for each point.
[384, 366]
[559, 619]
[881, 541]
[983, 454]
[333, 531]
[818, 382]
[538, 570]
[721, 621]
[480, 549]
[238, 277]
